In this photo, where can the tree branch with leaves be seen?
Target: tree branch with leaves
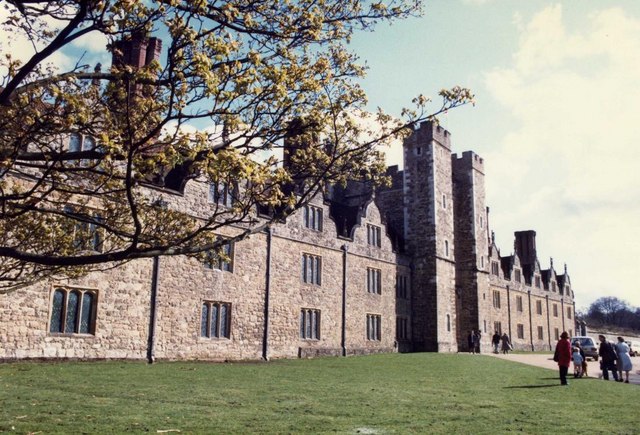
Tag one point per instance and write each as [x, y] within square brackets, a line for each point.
[251, 68]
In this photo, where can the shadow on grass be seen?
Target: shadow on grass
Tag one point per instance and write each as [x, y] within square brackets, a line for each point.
[534, 386]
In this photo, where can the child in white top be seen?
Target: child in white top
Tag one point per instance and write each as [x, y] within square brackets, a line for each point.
[577, 362]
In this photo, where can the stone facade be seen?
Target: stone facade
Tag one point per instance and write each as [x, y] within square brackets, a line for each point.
[411, 267]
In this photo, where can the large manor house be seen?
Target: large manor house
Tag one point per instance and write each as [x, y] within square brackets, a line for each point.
[409, 267]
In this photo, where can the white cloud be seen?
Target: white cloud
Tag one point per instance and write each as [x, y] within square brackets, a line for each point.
[21, 48]
[568, 166]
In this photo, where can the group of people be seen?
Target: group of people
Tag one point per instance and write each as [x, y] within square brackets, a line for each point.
[506, 343]
[613, 357]
[475, 335]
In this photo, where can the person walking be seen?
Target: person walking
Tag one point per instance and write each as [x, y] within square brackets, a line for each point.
[495, 340]
[563, 356]
[608, 358]
[471, 341]
[506, 344]
[478, 338]
[624, 360]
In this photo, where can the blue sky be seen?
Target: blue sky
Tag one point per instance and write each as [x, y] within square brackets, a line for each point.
[556, 120]
[558, 99]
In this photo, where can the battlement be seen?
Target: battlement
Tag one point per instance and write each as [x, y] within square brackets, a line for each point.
[468, 160]
[429, 131]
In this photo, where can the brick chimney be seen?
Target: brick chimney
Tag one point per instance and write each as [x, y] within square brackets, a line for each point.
[137, 51]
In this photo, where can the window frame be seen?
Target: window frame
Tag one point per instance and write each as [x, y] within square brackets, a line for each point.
[210, 304]
[213, 261]
[402, 286]
[221, 194]
[519, 304]
[311, 269]
[496, 299]
[77, 317]
[374, 280]
[310, 324]
[402, 328]
[313, 217]
[374, 327]
[88, 236]
[374, 235]
[497, 326]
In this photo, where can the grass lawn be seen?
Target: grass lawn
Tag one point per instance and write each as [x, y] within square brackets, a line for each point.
[396, 393]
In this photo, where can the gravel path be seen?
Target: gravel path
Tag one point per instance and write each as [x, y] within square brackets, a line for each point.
[546, 361]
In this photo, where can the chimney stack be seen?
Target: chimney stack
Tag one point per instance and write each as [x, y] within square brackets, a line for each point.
[138, 51]
[525, 246]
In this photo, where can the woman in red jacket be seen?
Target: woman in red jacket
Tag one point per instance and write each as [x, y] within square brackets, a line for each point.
[563, 356]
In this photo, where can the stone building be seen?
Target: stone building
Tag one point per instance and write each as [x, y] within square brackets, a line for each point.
[411, 267]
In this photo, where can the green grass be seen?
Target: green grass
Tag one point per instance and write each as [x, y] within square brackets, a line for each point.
[398, 393]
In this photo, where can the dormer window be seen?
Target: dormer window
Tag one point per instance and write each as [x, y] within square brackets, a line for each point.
[374, 235]
[495, 268]
[312, 217]
[537, 281]
[517, 275]
[553, 286]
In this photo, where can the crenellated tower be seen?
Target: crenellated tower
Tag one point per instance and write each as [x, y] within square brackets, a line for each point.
[472, 244]
[429, 234]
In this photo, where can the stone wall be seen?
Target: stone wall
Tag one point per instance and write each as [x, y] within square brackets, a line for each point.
[471, 233]
[437, 203]
[121, 321]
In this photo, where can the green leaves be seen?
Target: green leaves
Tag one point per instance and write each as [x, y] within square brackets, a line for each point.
[246, 70]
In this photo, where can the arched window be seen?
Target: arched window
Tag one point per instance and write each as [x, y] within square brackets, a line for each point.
[73, 311]
[87, 311]
[71, 319]
[57, 308]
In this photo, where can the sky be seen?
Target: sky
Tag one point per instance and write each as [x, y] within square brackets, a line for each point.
[557, 98]
[557, 88]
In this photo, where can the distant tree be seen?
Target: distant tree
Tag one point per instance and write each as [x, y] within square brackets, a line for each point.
[612, 311]
[249, 67]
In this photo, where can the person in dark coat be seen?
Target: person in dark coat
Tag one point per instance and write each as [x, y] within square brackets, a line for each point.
[478, 338]
[563, 356]
[506, 343]
[608, 359]
[472, 341]
[496, 342]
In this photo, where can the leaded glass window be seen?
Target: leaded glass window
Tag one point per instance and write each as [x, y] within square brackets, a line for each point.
[216, 320]
[85, 318]
[57, 309]
[215, 261]
[73, 311]
[310, 324]
[311, 269]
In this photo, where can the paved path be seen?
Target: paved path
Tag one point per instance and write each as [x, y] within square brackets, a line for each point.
[546, 361]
